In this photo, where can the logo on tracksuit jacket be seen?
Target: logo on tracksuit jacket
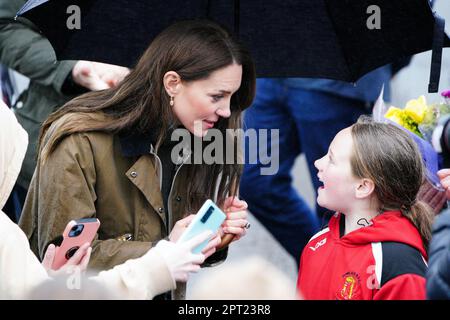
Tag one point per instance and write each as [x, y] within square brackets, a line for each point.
[351, 283]
[319, 244]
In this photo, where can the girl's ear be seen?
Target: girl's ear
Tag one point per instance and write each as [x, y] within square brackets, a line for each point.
[364, 189]
[172, 83]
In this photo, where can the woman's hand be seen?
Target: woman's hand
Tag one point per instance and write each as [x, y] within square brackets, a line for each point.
[236, 222]
[78, 261]
[98, 76]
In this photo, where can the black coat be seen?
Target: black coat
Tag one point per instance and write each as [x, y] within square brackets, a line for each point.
[438, 275]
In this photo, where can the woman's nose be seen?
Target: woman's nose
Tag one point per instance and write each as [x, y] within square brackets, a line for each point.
[224, 111]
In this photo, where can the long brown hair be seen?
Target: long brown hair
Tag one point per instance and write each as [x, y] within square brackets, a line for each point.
[391, 159]
[194, 49]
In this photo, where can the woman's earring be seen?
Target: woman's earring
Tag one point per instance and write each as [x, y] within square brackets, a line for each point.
[171, 101]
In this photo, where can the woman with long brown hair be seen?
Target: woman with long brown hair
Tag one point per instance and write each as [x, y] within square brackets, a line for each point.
[108, 154]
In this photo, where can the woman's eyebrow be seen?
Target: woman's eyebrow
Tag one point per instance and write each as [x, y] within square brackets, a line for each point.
[224, 91]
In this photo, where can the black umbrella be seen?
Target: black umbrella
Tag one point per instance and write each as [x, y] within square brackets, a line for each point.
[333, 39]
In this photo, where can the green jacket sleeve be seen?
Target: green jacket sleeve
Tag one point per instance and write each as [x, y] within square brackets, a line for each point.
[25, 50]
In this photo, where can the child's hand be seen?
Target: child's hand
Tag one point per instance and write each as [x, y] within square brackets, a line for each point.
[179, 227]
[78, 261]
[179, 257]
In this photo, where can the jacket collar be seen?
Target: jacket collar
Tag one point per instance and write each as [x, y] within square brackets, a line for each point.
[136, 144]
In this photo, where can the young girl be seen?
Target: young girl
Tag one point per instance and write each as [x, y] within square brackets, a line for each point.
[375, 244]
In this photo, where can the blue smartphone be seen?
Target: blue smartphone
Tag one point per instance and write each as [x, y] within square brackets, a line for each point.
[209, 217]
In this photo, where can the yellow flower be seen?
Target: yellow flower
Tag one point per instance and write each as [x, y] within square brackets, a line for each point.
[403, 118]
[395, 114]
[416, 109]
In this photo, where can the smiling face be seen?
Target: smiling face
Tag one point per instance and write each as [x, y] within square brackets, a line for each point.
[198, 105]
[339, 184]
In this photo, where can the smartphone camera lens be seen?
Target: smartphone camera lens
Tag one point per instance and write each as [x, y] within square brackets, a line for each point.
[76, 230]
[207, 214]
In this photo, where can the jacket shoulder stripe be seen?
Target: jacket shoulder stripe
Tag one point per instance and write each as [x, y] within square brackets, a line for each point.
[318, 234]
[377, 251]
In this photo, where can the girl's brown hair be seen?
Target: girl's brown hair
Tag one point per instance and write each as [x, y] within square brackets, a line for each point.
[389, 157]
[193, 49]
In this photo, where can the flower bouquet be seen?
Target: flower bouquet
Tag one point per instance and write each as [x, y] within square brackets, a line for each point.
[420, 120]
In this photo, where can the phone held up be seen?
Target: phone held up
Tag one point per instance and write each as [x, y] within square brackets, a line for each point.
[209, 217]
[76, 233]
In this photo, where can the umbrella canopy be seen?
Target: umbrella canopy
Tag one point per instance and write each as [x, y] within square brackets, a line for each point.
[335, 39]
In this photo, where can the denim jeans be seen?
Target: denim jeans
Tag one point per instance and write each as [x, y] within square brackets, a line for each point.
[307, 121]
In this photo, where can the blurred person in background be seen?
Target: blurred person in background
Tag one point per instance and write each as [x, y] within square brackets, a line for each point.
[252, 278]
[438, 274]
[52, 83]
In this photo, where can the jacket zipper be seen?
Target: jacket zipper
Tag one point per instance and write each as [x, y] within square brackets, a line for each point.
[159, 167]
[169, 202]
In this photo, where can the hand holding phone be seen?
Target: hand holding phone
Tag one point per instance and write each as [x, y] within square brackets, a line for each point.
[80, 260]
[208, 218]
[76, 233]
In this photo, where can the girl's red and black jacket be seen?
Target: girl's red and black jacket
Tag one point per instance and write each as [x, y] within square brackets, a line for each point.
[385, 260]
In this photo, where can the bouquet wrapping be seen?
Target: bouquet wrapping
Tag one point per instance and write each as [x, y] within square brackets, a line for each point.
[420, 120]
